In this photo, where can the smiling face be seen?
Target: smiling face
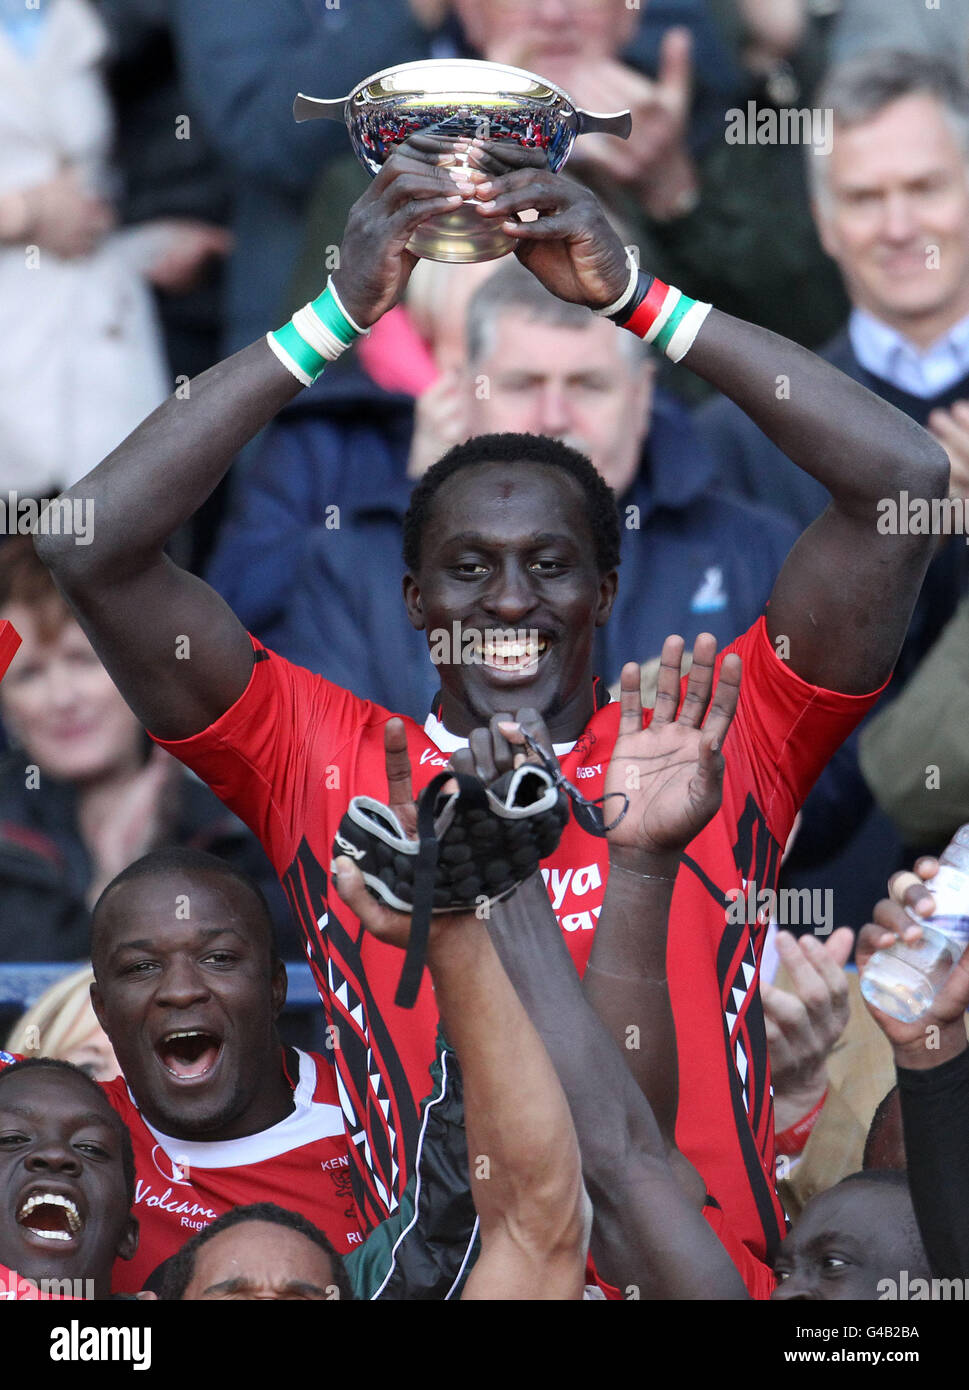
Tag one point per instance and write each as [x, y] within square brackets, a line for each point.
[848, 1239]
[189, 997]
[573, 384]
[508, 548]
[261, 1260]
[894, 214]
[64, 1208]
[59, 702]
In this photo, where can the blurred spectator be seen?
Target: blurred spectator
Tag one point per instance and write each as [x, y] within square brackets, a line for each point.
[174, 204]
[82, 359]
[705, 561]
[921, 26]
[915, 752]
[242, 65]
[892, 204]
[173, 187]
[62, 1024]
[706, 212]
[830, 1065]
[82, 794]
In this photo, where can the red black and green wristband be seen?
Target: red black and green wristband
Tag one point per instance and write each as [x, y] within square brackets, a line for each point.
[658, 313]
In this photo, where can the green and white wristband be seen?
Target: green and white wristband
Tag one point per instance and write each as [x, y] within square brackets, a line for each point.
[316, 335]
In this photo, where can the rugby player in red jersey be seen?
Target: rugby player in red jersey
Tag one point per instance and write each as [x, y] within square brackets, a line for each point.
[188, 987]
[512, 533]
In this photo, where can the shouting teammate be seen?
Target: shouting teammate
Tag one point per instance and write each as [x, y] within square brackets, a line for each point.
[67, 1180]
[512, 533]
[188, 987]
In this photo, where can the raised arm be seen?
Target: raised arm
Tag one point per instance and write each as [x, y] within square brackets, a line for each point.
[649, 1233]
[523, 1156]
[672, 796]
[845, 595]
[172, 646]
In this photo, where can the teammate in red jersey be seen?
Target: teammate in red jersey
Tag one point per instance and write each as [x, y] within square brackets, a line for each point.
[188, 987]
[526, 1179]
[512, 534]
[66, 1184]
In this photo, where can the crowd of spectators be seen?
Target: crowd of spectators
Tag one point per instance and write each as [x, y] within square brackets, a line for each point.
[160, 209]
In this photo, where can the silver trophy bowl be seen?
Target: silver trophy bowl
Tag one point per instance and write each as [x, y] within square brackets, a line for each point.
[462, 97]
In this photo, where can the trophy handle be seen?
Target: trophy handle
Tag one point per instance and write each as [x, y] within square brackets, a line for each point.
[310, 108]
[620, 123]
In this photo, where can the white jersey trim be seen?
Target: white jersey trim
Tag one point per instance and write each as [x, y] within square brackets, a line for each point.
[309, 1121]
[449, 743]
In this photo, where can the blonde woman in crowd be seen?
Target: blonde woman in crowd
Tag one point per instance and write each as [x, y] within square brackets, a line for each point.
[62, 1025]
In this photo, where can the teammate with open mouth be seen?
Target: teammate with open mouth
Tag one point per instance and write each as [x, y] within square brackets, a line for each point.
[66, 1178]
[189, 1053]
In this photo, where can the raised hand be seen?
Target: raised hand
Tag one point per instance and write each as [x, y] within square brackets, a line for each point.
[421, 179]
[570, 247]
[655, 163]
[672, 770]
[951, 428]
[440, 421]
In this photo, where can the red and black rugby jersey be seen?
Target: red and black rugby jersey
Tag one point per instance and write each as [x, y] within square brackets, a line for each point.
[294, 748]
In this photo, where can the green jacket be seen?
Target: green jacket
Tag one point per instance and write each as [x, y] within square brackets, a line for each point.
[915, 752]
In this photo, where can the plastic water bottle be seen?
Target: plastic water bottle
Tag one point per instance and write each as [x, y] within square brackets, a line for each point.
[903, 979]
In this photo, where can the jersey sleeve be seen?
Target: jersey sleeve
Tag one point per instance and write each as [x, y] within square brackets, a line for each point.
[786, 729]
[265, 756]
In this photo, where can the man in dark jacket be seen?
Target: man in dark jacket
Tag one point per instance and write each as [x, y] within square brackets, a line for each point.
[892, 206]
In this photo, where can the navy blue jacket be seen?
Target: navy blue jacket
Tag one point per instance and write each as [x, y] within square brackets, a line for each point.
[749, 465]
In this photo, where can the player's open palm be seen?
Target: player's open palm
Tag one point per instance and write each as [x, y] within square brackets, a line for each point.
[672, 770]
